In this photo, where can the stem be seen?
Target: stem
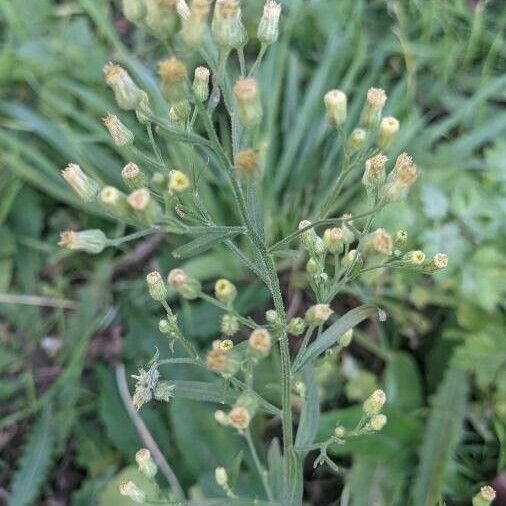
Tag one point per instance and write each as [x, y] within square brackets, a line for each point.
[258, 61]
[217, 303]
[242, 63]
[261, 471]
[131, 237]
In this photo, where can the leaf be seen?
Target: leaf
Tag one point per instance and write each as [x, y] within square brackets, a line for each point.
[310, 415]
[275, 468]
[441, 437]
[35, 462]
[204, 242]
[403, 384]
[337, 329]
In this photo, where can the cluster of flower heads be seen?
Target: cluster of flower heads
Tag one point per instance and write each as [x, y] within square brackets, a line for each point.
[148, 468]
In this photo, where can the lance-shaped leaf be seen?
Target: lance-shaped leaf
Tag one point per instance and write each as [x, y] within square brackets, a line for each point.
[337, 329]
[310, 415]
[208, 239]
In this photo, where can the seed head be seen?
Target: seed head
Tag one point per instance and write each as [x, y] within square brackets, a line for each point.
[403, 175]
[379, 242]
[239, 418]
[246, 163]
[333, 239]
[374, 173]
[437, 262]
[260, 341]
[162, 17]
[173, 75]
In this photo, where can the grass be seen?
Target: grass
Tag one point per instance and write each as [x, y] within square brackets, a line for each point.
[443, 64]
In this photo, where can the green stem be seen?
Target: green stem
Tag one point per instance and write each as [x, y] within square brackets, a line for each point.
[131, 237]
[261, 471]
[258, 61]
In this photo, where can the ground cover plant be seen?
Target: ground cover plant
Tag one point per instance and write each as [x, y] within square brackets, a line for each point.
[455, 468]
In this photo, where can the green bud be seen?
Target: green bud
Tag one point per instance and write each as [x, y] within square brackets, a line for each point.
[86, 187]
[296, 326]
[187, 287]
[162, 18]
[133, 177]
[356, 140]
[373, 404]
[437, 262]
[333, 240]
[229, 325]
[268, 28]
[335, 104]
[173, 76]
[201, 84]
[484, 497]
[227, 28]
[134, 10]
[114, 200]
[119, 132]
[92, 241]
[225, 291]
[318, 314]
[376, 423]
[400, 239]
[371, 113]
[414, 258]
[312, 266]
[387, 130]
[345, 339]
[249, 107]
[126, 92]
[144, 207]
[156, 286]
[146, 464]
[159, 182]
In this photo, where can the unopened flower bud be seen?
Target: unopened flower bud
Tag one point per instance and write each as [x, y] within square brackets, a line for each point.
[143, 111]
[164, 391]
[120, 133]
[173, 76]
[131, 490]
[268, 28]
[187, 287]
[201, 83]
[414, 258]
[178, 181]
[333, 239]
[312, 266]
[339, 432]
[348, 234]
[378, 242]
[272, 316]
[377, 422]
[374, 173]
[133, 177]
[162, 17]
[484, 497]
[159, 182]
[318, 314]
[300, 389]
[345, 339]
[114, 200]
[226, 363]
[221, 477]
[146, 464]
[388, 128]
[310, 239]
[371, 112]
[92, 241]
[126, 92]
[246, 163]
[400, 179]
[296, 326]
[195, 24]
[400, 239]
[221, 417]
[134, 10]
[229, 325]
[437, 262]
[227, 28]
[353, 258]
[260, 342]
[373, 404]
[156, 286]
[83, 185]
[356, 140]
[335, 104]
[249, 107]
[144, 207]
[225, 291]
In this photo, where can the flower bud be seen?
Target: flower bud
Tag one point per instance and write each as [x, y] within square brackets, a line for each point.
[400, 239]
[164, 391]
[161, 17]
[388, 128]
[272, 316]
[229, 325]
[92, 241]
[372, 405]
[333, 240]
[178, 181]
[201, 84]
[246, 163]
[402, 176]
[249, 107]
[173, 75]
[376, 423]
[345, 339]
[243, 411]
[114, 200]
[187, 287]
[221, 417]
[353, 258]
[312, 266]
[335, 104]
[484, 497]
[227, 28]
[225, 291]
[226, 363]
[134, 10]
[371, 112]
[300, 389]
[226, 345]
[437, 262]
[378, 242]
[143, 111]
[268, 28]
[194, 25]
[176, 117]
[296, 326]
[348, 234]
[156, 286]
[339, 432]
[133, 177]
[131, 490]
[221, 477]
[119, 132]
[356, 140]
[413, 258]
[159, 182]
[168, 325]
[146, 464]
[318, 314]
[126, 92]
[374, 173]
[310, 239]
[260, 342]
[144, 207]
[83, 185]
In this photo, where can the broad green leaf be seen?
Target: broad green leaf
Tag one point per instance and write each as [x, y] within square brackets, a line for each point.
[310, 415]
[441, 437]
[35, 462]
[337, 329]
[403, 384]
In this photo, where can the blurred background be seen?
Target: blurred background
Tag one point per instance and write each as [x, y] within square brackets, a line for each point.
[69, 322]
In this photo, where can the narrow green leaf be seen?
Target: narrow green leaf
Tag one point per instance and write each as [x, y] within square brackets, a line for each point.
[441, 437]
[203, 243]
[310, 415]
[337, 329]
[35, 461]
